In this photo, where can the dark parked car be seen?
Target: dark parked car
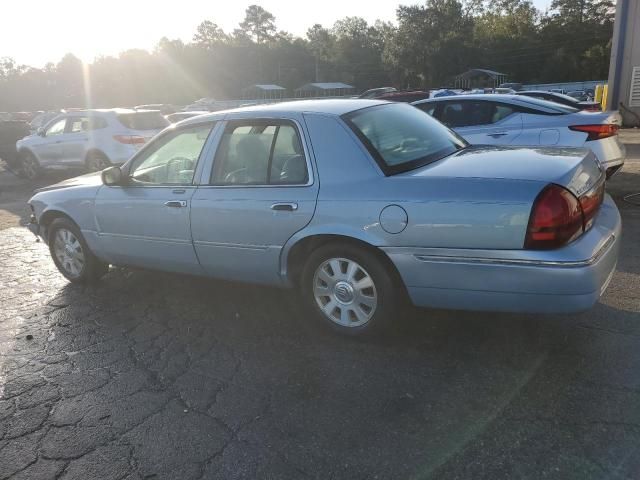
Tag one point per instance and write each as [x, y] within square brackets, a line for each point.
[404, 96]
[562, 99]
[10, 132]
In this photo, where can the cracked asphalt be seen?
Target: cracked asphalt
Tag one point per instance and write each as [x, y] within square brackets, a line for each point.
[156, 376]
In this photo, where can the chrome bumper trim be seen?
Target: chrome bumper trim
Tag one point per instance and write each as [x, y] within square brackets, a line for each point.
[514, 261]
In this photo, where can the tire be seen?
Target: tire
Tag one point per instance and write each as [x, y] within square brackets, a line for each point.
[29, 165]
[97, 162]
[358, 299]
[71, 254]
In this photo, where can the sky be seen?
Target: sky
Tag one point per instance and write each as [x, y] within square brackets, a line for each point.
[35, 32]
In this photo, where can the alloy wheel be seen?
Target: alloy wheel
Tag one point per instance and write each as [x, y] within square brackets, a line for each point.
[29, 167]
[68, 251]
[345, 292]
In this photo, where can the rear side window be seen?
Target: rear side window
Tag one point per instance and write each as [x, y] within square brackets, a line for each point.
[469, 113]
[260, 153]
[400, 137]
[143, 120]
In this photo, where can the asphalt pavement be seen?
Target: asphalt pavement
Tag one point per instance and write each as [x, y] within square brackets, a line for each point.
[156, 376]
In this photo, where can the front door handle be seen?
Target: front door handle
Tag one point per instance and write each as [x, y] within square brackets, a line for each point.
[284, 207]
[176, 203]
[497, 134]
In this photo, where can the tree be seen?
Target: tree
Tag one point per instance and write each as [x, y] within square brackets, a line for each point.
[208, 35]
[258, 24]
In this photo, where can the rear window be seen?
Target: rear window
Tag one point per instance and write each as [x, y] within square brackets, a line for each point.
[400, 137]
[143, 120]
[557, 107]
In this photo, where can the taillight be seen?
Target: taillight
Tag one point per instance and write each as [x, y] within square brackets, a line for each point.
[597, 132]
[590, 203]
[593, 108]
[558, 217]
[130, 139]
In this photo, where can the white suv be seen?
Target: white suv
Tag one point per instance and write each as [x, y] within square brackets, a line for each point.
[94, 139]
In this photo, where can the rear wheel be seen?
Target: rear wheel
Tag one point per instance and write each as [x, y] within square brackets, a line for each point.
[71, 253]
[349, 289]
[97, 162]
[29, 165]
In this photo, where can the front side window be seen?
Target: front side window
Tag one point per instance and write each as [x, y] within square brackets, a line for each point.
[173, 160]
[400, 137]
[260, 153]
[57, 128]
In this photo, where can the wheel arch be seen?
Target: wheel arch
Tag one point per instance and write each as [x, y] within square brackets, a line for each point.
[296, 253]
[48, 216]
[95, 150]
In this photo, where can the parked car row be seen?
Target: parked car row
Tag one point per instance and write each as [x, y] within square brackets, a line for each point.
[359, 204]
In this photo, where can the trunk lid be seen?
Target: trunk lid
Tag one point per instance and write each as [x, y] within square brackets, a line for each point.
[576, 169]
[586, 117]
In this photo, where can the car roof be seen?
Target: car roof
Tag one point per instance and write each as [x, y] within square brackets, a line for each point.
[335, 107]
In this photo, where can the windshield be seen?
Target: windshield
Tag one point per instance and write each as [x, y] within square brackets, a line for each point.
[152, 120]
[400, 137]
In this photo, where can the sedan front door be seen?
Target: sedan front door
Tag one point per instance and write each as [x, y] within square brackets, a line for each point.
[260, 191]
[145, 221]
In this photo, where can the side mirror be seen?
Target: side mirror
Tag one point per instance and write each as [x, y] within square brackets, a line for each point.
[40, 131]
[112, 176]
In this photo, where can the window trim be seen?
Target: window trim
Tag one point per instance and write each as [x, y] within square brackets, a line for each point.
[129, 165]
[267, 121]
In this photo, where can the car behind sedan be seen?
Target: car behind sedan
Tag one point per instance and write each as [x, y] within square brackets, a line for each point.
[521, 120]
[357, 203]
[93, 139]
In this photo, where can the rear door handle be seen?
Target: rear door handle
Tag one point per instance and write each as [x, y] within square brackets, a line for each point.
[176, 203]
[498, 134]
[284, 207]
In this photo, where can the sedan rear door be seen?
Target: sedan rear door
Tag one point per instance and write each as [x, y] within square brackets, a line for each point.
[482, 122]
[259, 191]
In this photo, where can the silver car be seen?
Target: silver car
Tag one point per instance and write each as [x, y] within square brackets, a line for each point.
[522, 120]
[358, 203]
[94, 139]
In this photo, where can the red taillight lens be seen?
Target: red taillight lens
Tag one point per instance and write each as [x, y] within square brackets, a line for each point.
[130, 139]
[556, 219]
[590, 203]
[597, 132]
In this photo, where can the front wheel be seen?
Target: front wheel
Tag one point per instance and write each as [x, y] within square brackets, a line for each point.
[71, 253]
[29, 165]
[349, 289]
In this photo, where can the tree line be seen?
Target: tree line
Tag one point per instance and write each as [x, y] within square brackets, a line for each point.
[425, 48]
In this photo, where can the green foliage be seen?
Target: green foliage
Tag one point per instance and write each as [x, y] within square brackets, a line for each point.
[426, 47]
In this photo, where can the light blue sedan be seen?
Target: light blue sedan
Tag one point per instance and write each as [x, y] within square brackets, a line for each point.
[358, 203]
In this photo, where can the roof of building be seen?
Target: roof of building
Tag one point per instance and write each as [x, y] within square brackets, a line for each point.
[476, 71]
[326, 86]
[265, 86]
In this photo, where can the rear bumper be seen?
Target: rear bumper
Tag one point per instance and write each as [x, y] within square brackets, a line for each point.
[610, 152]
[566, 280]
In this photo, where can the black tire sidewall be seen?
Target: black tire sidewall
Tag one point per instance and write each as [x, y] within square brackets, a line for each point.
[382, 278]
[93, 268]
[91, 161]
[34, 160]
